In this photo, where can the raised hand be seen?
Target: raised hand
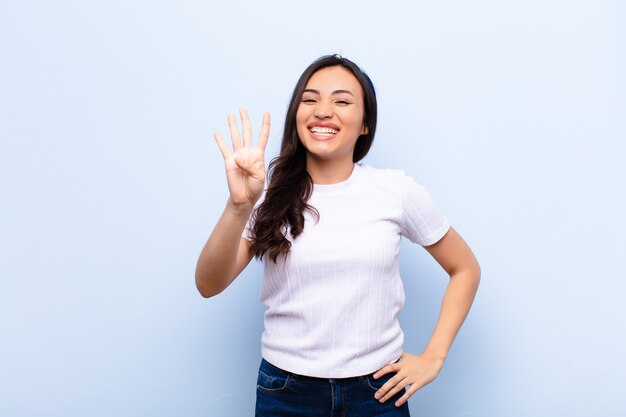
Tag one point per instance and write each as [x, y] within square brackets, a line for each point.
[245, 166]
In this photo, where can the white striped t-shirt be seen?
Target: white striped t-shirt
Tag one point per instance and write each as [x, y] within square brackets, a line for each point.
[333, 301]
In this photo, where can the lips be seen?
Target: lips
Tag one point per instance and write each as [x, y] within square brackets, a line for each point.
[323, 130]
[323, 124]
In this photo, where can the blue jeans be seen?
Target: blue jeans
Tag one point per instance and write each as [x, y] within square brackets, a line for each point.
[284, 394]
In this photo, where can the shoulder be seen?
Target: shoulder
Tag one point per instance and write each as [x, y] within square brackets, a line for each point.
[381, 174]
[386, 178]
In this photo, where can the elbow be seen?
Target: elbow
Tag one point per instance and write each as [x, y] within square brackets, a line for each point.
[473, 269]
[477, 272]
[476, 275]
[470, 274]
[206, 291]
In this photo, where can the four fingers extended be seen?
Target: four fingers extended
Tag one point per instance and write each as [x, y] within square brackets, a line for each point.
[247, 133]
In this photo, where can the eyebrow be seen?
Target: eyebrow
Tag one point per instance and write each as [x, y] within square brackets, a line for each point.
[310, 90]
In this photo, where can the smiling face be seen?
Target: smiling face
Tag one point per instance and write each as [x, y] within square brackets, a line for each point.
[329, 119]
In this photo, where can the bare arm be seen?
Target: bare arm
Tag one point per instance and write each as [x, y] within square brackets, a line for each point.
[415, 371]
[226, 253]
[457, 259]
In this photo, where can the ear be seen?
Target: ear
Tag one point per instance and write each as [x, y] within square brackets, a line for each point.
[365, 130]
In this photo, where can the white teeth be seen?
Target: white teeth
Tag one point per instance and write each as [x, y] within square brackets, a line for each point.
[326, 131]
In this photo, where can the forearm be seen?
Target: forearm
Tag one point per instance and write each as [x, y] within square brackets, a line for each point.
[455, 306]
[219, 255]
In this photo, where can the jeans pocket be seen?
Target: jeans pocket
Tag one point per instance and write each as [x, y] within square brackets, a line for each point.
[376, 384]
[272, 379]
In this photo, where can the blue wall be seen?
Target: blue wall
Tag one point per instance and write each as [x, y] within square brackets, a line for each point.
[511, 113]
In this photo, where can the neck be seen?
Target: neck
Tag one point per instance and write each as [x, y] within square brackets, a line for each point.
[329, 171]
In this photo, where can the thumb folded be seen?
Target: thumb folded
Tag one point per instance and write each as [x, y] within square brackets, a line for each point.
[248, 167]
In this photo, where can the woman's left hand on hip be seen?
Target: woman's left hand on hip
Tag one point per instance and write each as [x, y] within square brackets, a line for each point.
[412, 372]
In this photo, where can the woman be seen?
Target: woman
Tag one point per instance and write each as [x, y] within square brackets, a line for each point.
[328, 231]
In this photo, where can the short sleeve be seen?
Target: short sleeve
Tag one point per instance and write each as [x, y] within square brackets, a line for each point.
[422, 221]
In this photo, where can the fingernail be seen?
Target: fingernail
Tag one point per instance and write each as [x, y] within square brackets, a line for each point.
[377, 395]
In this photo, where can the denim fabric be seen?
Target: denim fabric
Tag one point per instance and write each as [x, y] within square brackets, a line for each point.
[284, 394]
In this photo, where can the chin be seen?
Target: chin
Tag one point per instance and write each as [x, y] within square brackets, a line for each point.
[325, 155]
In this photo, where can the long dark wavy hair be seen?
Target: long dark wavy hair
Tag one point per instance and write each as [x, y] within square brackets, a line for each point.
[290, 185]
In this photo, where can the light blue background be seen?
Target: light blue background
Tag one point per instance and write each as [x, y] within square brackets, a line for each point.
[511, 113]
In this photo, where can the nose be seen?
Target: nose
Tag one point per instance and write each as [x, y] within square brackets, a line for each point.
[323, 109]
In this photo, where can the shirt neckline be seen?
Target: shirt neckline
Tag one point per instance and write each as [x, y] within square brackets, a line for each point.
[338, 185]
